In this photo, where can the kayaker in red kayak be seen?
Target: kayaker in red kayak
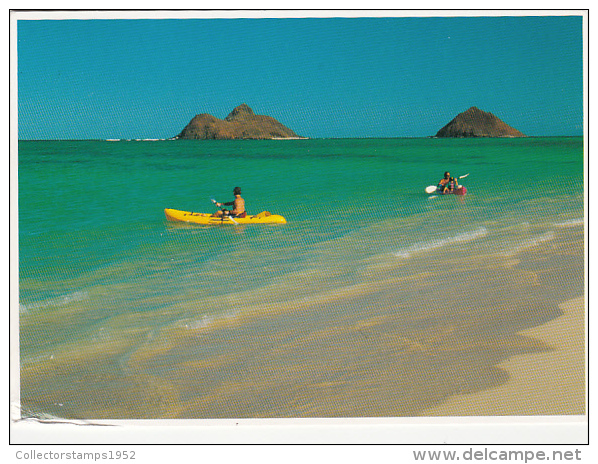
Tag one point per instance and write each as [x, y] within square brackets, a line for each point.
[443, 184]
[452, 185]
[238, 206]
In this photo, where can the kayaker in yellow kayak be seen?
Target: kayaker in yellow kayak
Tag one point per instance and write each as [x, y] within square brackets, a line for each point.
[238, 206]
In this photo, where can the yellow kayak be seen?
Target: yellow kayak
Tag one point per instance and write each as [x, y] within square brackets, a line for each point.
[205, 218]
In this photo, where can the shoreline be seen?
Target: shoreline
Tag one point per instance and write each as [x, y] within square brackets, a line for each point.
[386, 348]
[546, 383]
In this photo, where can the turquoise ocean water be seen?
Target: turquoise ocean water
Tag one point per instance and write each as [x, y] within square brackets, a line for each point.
[98, 262]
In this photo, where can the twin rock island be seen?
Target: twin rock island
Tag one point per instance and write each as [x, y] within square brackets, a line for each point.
[243, 123]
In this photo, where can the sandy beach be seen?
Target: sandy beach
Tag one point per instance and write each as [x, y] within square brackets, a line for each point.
[548, 383]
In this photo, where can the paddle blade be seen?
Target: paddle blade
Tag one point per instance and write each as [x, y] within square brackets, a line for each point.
[463, 177]
[430, 189]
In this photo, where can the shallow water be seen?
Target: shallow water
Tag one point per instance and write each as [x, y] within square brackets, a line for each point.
[102, 274]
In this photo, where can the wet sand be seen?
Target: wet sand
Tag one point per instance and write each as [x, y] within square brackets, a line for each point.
[422, 344]
[548, 383]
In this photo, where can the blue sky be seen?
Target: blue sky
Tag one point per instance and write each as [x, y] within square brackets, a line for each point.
[322, 77]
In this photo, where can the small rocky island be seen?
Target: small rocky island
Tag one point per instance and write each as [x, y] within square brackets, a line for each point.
[477, 123]
[241, 123]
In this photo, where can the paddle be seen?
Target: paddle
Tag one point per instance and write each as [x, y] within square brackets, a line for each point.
[230, 217]
[432, 188]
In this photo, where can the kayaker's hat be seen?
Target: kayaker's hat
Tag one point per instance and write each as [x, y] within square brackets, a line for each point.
[237, 191]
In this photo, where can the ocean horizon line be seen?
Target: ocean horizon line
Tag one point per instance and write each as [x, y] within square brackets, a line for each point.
[294, 139]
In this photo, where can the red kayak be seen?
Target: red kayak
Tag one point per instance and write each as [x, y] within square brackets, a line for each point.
[461, 190]
[432, 189]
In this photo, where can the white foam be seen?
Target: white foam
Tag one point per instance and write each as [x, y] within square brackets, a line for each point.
[571, 223]
[434, 244]
[531, 243]
[59, 301]
[205, 321]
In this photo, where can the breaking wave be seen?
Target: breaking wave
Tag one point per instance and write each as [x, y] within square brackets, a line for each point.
[571, 223]
[58, 301]
[532, 242]
[434, 244]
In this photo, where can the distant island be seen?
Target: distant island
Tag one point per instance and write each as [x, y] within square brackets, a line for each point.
[241, 123]
[477, 123]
